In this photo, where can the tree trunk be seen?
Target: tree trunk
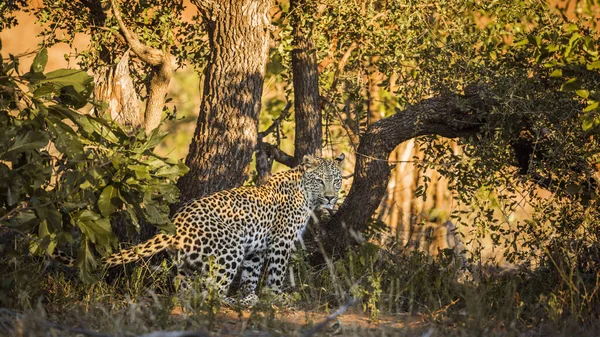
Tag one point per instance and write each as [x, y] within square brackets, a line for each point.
[307, 101]
[447, 115]
[114, 86]
[226, 132]
[306, 84]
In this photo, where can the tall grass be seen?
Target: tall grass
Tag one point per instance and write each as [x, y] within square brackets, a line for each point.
[557, 298]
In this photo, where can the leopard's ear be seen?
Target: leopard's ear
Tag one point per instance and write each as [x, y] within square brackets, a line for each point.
[309, 162]
[340, 159]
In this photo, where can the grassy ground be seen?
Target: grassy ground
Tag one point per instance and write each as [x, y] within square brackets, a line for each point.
[406, 294]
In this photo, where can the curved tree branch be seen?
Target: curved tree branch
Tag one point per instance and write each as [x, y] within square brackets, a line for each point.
[161, 71]
[152, 56]
[448, 115]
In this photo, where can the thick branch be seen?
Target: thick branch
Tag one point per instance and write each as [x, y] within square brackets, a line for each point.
[147, 54]
[278, 155]
[264, 162]
[161, 71]
[447, 115]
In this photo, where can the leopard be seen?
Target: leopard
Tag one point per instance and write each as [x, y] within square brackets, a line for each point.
[241, 228]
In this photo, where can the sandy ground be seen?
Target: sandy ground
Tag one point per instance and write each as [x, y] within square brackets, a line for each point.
[290, 322]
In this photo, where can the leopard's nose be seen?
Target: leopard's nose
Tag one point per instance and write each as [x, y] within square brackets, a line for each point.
[330, 199]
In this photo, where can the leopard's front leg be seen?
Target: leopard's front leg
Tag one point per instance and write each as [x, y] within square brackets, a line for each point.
[278, 256]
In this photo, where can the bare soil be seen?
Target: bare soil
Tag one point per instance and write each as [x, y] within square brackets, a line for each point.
[291, 322]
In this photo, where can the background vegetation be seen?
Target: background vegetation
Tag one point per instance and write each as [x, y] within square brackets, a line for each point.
[496, 102]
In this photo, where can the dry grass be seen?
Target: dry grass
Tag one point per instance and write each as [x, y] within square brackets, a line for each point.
[396, 295]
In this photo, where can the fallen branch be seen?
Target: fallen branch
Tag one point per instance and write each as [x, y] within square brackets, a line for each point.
[329, 318]
[175, 334]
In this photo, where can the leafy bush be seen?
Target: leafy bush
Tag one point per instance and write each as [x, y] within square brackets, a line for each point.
[64, 174]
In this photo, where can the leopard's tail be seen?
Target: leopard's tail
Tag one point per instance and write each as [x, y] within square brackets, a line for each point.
[154, 245]
[63, 258]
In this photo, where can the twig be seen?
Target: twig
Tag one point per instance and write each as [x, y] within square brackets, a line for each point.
[20, 209]
[147, 54]
[330, 318]
[283, 115]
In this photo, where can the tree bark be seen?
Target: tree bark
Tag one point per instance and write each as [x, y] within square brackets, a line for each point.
[307, 101]
[448, 115]
[226, 132]
[306, 84]
[114, 86]
[162, 71]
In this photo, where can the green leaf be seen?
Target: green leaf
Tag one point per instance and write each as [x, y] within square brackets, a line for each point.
[572, 28]
[109, 200]
[39, 62]
[103, 130]
[54, 218]
[155, 138]
[86, 262]
[574, 38]
[134, 218]
[582, 93]
[593, 65]
[86, 215]
[94, 227]
[82, 121]
[66, 140]
[571, 85]
[589, 121]
[154, 216]
[168, 171]
[31, 140]
[592, 106]
[79, 80]
[46, 240]
[556, 73]
[45, 90]
[142, 172]
[24, 220]
[521, 43]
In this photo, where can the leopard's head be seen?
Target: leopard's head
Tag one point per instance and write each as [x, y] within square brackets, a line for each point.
[322, 179]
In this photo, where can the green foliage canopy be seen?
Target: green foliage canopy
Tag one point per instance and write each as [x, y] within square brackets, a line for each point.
[64, 174]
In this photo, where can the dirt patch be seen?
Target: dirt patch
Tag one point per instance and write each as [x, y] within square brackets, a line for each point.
[292, 322]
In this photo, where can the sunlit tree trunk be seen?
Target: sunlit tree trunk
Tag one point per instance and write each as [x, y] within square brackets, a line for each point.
[226, 132]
